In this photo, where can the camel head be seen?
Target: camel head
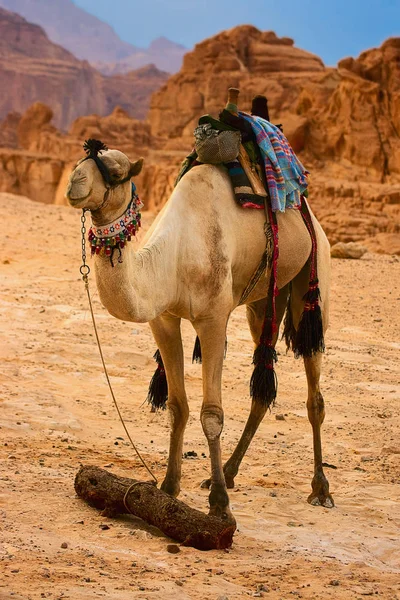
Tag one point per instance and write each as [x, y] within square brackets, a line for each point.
[89, 181]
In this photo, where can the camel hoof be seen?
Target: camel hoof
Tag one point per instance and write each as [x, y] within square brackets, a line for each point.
[230, 483]
[325, 501]
[329, 503]
[170, 488]
[222, 512]
[320, 495]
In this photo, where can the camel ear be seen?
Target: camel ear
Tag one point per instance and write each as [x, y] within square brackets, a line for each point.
[136, 167]
[115, 170]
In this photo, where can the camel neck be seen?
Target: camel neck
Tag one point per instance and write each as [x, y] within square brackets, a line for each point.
[139, 286]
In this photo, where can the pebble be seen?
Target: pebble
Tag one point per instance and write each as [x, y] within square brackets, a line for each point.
[190, 454]
[173, 548]
[348, 250]
[64, 545]
[280, 417]
[104, 527]
[334, 582]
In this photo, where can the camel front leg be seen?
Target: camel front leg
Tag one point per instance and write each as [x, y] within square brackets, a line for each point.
[320, 495]
[167, 333]
[212, 338]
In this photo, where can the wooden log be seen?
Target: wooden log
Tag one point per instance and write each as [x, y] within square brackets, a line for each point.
[108, 492]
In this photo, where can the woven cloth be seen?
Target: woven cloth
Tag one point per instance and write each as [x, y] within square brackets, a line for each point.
[242, 189]
[286, 176]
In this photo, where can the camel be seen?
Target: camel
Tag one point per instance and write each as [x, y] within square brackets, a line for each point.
[194, 263]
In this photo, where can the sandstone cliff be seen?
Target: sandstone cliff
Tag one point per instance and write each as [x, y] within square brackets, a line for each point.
[344, 122]
[348, 115]
[258, 62]
[34, 69]
[43, 153]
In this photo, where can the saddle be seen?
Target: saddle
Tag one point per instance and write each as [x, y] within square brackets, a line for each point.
[231, 144]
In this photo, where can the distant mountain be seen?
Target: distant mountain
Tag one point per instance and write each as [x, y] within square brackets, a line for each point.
[89, 38]
[32, 68]
[163, 53]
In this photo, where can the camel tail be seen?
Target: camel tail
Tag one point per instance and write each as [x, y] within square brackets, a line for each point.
[158, 389]
[289, 331]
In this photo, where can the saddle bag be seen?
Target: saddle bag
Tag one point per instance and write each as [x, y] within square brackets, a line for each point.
[215, 147]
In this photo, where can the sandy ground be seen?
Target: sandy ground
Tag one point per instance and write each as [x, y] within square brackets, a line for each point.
[56, 414]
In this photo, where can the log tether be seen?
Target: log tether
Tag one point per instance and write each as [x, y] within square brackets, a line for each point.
[174, 518]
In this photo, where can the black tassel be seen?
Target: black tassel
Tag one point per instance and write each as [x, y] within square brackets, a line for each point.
[158, 388]
[263, 383]
[310, 335]
[93, 147]
[197, 352]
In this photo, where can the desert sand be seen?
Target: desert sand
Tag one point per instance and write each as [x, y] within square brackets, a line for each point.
[56, 414]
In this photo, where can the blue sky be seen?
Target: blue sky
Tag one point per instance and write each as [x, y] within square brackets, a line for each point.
[332, 29]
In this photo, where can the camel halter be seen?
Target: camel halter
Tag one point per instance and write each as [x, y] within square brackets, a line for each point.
[105, 239]
[113, 236]
[84, 271]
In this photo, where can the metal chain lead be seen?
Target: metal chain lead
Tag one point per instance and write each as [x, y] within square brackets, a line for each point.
[85, 270]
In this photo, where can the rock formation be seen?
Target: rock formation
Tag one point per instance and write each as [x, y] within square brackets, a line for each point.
[343, 122]
[258, 62]
[42, 152]
[333, 115]
[43, 71]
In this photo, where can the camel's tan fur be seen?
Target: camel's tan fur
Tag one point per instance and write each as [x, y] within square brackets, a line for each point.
[194, 263]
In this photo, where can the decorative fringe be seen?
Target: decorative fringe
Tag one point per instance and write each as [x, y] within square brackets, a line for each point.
[310, 335]
[263, 383]
[197, 352]
[158, 388]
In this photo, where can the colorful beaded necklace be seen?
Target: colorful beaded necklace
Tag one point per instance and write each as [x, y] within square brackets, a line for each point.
[113, 236]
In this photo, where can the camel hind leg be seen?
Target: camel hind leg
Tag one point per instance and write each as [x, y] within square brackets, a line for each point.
[320, 495]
